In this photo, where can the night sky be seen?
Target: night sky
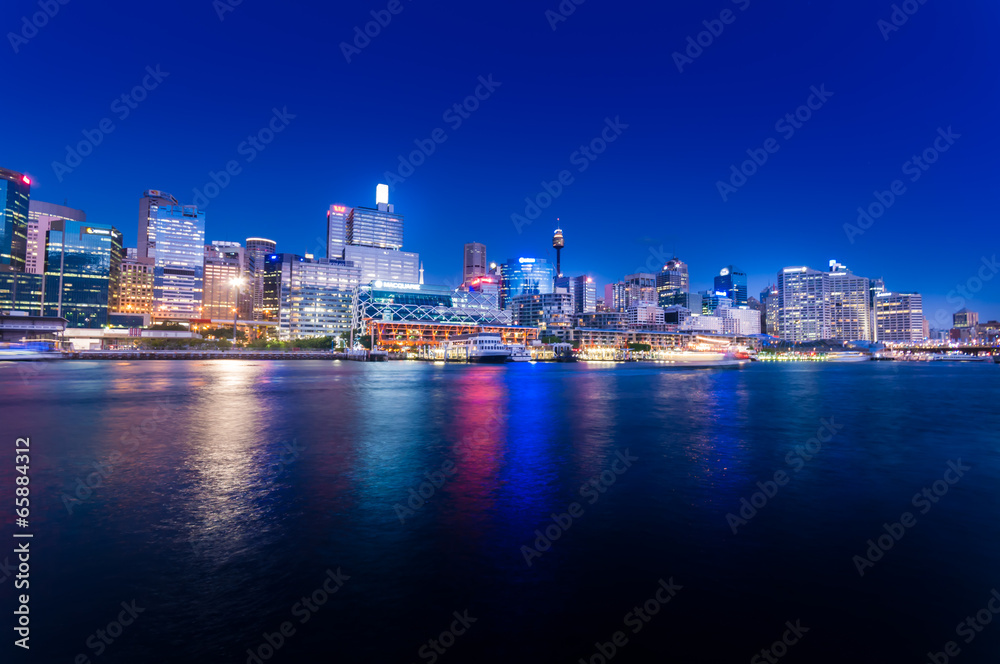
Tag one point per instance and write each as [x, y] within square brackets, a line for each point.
[886, 90]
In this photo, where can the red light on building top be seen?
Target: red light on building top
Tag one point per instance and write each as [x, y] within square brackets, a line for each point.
[340, 209]
[25, 179]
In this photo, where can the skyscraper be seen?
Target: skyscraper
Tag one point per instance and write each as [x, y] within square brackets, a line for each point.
[376, 227]
[336, 230]
[151, 200]
[964, 318]
[223, 265]
[770, 303]
[15, 192]
[474, 264]
[311, 297]
[899, 317]
[372, 239]
[850, 316]
[40, 218]
[525, 276]
[82, 267]
[804, 304]
[254, 255]
[677, 265]
[135, 285]
[584, 292]
[175, 243]
[733, 282]
[640, 288]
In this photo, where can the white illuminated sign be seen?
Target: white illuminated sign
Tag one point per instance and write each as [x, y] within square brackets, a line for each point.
[395, 285]
[525, 260]
[382, 194]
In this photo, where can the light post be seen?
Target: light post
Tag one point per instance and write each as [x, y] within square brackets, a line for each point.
[237, 283]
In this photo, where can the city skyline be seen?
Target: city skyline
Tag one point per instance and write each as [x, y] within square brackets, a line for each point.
[792, 210]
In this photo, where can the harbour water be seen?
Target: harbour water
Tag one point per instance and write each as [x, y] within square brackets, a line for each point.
[416, 512]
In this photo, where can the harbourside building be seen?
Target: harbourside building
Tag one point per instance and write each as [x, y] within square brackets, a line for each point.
[804, 305]
[733, 283]
[850, 316]
[135, 285]
[15, 193]
[525, 276]
[172, 241]
[412, 316]
[254, 257]
[223, 267]
[372, 239]
[899, 317]
[82, 269]
[40, 218]
[310, 297]
[552, 313]
[771, 305]
[474, 264]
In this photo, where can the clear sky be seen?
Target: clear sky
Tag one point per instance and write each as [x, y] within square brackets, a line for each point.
[558, 81]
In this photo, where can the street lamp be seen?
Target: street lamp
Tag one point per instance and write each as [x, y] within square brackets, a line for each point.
[237, 283]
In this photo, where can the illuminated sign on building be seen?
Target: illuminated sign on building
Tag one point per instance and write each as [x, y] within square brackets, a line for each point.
[395, 285]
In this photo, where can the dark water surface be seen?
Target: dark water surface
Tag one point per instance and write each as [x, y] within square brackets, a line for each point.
[229, 491]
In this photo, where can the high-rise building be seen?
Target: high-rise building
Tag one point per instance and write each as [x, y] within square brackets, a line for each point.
[384, 264]
[558, 243]
[965, 318]
[336, 230]
[551, 312]
[254, 255]
[733, 282]
[525, 276]
[804, 305]
[584, 292]
[742, 321]
[640, 288]
[152, 199]
[40, 218]
[82, 268]
[376, 227]
[677, 265]
[670, 287]
[771, 305]
[312, 297]
[714, 300]
[223, 266]
[899, 317]
[15, 192]
[135, 285]
[474, 264]
[850, 315]
[175, 243]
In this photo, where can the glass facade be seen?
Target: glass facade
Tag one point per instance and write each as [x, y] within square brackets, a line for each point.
[313, 296]
[21, 292]
[82, 266]
[525, 276]
[733, 282]
[223, 265]
[176, 245]
[15, 191]
[375, 228]
[254, 256]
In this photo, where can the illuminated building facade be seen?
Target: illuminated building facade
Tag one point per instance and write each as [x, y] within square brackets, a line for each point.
[804, 305]
[223, 265]
[547, 311]
[336, 230]
[899, 317]
[964, 318]
[733, 282]
[175, 244]
[474, 263]
[312, 296]
[850, 316]
[15, 192]
[40, 218]
[384, 264]
[376, 227]
[135, 286]
[82, 267]
[525, 276]
[770, 303]
[254, 256]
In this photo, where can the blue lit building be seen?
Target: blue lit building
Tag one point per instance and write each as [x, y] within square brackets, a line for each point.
[15, 190]
[82, 268]
[733, 282]
[525, 276]
[175, 244]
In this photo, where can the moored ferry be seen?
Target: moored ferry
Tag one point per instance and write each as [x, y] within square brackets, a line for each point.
[481, 347]
[519, 353]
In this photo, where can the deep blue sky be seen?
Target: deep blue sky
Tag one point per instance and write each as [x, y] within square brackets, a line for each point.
[654, 186]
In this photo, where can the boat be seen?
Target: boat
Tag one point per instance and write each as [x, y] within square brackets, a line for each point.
[698, 359]
[480, 348]
[519, 353]
[848, 356]
[961, 357]
[563, 352]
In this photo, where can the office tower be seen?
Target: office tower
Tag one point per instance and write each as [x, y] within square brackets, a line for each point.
[551, 312]
[733, 282]
[384, 264]
[525, 276]
[558, 243]
[965, 319]
[899, 317]
[640, 288]
[254, 255]
[771, 306]
[850, 315]
[82, 268]
[336, 230]
[40, 217]
[311, 297]
[609, 297]
[175, 244]
[875, 287]
[376, 227]
[742, 321]
[584, 292]
[135, 285]
[670, 288]
[223, 265]
[804, 304]
[474, 263]
[15, 192]
[677, 265]
[712, 301]
[152, 199]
